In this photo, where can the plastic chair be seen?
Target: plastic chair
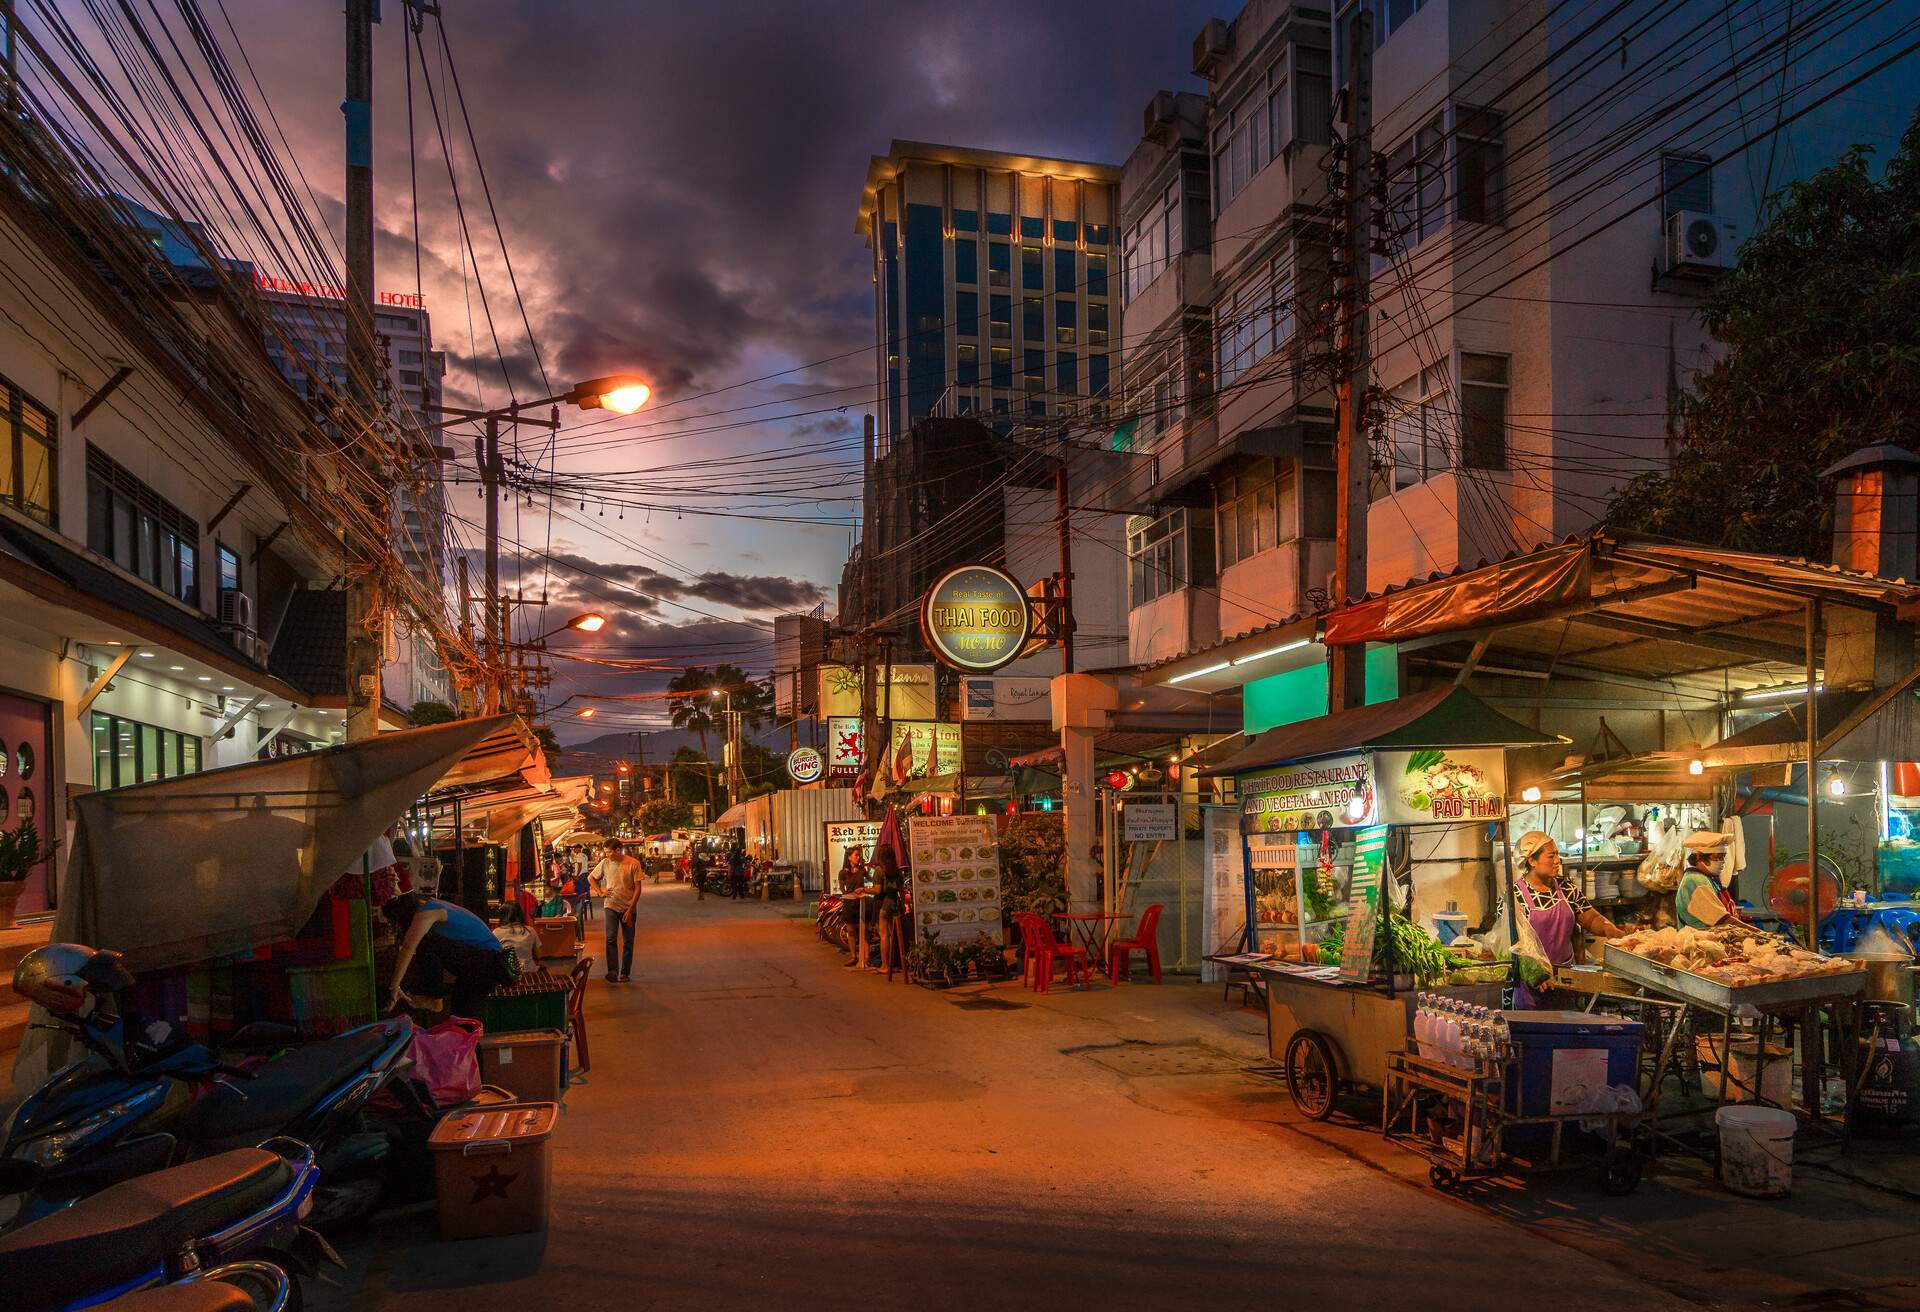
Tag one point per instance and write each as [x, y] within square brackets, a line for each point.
[1029, 954]
[577, 1009]
[1145, 939]
[1046, 949]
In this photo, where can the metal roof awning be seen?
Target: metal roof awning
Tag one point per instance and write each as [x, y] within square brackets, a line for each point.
[978, 785]
[1439, 717]
[1854, 726]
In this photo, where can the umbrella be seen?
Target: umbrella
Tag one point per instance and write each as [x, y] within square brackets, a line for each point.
[890, 836]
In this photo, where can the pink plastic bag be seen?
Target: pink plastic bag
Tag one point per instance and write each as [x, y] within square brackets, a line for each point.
[446, 1059]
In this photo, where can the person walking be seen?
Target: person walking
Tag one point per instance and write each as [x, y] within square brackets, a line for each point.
[617, 880]
[699, 868]
[737, 871]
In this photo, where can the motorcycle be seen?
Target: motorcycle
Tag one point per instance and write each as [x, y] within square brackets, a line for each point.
[142, 1099]
[236, 1218]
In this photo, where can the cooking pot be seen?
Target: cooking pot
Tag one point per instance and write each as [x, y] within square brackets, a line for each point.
[1889, 978]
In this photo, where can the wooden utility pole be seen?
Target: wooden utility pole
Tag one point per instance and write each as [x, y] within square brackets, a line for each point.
[366, 607]
[1347, 665]
[1063, 516]
[487, 451]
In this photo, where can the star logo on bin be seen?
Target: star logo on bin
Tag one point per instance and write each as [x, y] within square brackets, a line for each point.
[492, 1185]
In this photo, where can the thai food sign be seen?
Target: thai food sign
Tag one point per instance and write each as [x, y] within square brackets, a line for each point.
[976, 618]
[1332, 792]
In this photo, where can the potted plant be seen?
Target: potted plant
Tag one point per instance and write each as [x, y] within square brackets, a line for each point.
[20, 851]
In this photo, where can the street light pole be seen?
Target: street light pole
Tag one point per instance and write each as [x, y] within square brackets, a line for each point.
[365, 605]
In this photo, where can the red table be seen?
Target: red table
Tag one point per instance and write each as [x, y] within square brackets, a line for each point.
[1089, 928]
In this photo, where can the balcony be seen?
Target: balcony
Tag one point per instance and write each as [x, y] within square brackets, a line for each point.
[1179, 621]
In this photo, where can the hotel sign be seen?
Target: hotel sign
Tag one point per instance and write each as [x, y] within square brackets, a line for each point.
[333, 291]
[976, 619]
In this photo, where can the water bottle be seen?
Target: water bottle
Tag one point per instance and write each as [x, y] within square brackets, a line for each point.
[1450, 1031]
[1423, 1023]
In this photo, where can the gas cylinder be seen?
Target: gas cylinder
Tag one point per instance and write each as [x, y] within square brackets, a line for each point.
[1889, 1101]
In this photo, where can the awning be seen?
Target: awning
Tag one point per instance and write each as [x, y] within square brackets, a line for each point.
[1130, 743]
[978, 785]
[734, 817]
[1439, 717]
[1889, 731]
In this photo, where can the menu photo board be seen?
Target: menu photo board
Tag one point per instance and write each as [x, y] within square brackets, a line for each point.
[842, 837]
[1363, 905]
[1438, 786]
[955, 862]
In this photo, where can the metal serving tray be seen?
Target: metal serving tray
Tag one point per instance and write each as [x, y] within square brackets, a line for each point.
[1749, 999]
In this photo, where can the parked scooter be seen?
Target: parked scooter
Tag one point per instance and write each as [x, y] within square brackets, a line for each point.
[182, 1224]
[143, 1099]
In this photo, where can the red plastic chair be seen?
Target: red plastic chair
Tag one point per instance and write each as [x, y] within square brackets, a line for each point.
[1029, 955]
[1146, 939]
[577, 1011]
[1045, 949]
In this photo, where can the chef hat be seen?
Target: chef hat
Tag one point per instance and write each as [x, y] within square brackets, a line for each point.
[1708, 841]
[1529, 845]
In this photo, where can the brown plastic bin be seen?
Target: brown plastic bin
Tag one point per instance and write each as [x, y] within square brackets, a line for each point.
[525, 1063]
[493, 1170]
[558, 935]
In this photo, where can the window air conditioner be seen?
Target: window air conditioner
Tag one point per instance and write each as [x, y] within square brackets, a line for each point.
[1697, 243]
[236, 609]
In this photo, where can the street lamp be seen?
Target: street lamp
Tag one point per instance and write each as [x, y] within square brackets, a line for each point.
[620, 393]
[591, 622]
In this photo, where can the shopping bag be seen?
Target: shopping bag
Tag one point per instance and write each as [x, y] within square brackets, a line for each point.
[446, 1059]
[1666, 858]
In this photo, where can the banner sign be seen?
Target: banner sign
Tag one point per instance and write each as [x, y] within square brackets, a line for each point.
[1006, 697]
[1435, 787]
[843, 835]
[1363, 904]
[956, 876]
[912, 699]
[1150, 822]
[844, 752]
[1319, 795]
[804, 765]
[923, 750]
[976, 618]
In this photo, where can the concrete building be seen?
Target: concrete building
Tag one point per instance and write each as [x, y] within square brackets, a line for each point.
[993, 284]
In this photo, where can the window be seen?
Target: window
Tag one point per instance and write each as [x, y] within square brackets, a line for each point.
[1096, 375]
[1000, 358]
[227, 561]
[409, 357]
[1255, 511]
[1032, 228]
[1033, 320]
[1237, 149]
[1096, 323]
[1156, 556]
[966, 220]
[966, 262]
[1096, 275]
[1313, 98]
[965, 403]
[1063, 277]
[1416, 182]
[1066, 369]
[1099, 234]
[1483, 411]
[967, 370]
[130, 525]
[1253, 320]
[1419, 432]
[125, 752]
[966, 314]
[999, 225]
[999, 263]
[1686, 183]
[1034, 377]
[1066, 230]
[1152, 239]
[1066, 320]
[1001, 319]
[1032, 270]
[27, 459]
[1479, 166]
[410, 377]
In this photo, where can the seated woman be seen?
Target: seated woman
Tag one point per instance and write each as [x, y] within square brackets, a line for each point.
[457, 955]
[514, 933]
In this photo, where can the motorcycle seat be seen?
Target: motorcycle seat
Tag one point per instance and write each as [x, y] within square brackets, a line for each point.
[192, 1296]
[131, 1229]
[239, 1112]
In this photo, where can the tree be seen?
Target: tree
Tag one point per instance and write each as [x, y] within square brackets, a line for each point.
[549, 746]
[429, 712]
[694, 707]
[692, 775]
[660, 816]
[763, 769]
[1821, 320]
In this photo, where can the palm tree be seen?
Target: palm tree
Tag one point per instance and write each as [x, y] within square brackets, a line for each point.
[752, 701]
[693, 704]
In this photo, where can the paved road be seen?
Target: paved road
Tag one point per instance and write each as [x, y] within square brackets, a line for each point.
[764, 1129]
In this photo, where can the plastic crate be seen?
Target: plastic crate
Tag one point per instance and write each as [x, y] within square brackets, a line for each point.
[538, 1001]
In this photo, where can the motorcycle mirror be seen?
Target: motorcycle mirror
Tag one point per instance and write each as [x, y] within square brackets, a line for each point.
[17, 1174]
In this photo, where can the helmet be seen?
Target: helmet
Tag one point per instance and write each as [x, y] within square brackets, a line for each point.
[62, 976]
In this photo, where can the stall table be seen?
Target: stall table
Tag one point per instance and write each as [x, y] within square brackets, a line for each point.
[1090, 930]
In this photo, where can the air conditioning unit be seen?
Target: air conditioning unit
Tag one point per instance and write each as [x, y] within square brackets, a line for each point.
[1159, 118]
[1697, 243]
[236, 609]
[1210, 47]
[254, 647]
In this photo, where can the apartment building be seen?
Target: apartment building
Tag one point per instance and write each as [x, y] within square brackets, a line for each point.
[993, 284]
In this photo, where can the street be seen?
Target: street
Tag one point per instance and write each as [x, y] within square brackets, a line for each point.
[764, 1128]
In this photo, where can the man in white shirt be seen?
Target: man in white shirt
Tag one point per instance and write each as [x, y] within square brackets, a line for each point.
[616, 880]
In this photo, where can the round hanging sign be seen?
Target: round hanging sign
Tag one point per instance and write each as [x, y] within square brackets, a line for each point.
[804, 765]
[976, 618]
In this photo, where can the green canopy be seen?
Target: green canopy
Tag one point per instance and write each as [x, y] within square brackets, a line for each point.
[1440, 717]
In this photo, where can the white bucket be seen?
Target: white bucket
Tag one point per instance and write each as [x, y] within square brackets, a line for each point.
[1756, 1150]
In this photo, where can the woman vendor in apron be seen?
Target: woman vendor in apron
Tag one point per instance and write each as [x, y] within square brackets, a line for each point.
[1553, 904]
[1702, 900]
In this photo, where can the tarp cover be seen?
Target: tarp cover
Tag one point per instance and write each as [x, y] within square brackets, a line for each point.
[1439, 717]
[221, 862]
[1545, 578]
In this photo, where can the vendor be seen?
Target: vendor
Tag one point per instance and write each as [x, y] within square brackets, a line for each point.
[458, 955]
[1702, 900]
[1553, 904]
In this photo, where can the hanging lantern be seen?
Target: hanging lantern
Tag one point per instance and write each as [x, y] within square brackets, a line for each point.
[1117, 779]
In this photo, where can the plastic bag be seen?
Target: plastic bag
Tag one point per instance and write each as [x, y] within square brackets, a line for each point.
[1529, 957]
[446, 1059]
[1666, 858]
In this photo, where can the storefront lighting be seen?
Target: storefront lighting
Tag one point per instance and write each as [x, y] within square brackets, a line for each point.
[1696, 766]
[226, 687]
[1284, 647]
[1356, 808]
[146, 655]
[1836, 786]
[206, 678]
[1200, 673]
[176, 668]
[1770, 694]
[1531, 793]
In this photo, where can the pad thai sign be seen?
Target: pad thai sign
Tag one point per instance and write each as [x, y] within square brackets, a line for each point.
[1427, 786]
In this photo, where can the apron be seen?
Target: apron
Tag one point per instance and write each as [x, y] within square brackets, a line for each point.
[1553, 926]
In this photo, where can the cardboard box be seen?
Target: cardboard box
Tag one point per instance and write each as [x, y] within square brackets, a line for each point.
[493, 1169]
[527, 1064]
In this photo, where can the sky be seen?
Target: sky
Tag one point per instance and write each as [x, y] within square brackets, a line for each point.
[677, 185]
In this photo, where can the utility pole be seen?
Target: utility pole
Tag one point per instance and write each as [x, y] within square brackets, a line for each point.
[1347, 664]
[366, 607]
[1063, 515]
[487, 452]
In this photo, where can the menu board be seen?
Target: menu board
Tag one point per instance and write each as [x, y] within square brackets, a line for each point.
[1323, 794]
[955, 863]
[1363, 905]
[845, 834]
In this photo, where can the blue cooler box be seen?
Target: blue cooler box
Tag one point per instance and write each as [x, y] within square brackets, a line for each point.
[1562, 1054]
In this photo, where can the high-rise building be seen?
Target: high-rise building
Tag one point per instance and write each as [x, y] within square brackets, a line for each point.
[995, 292]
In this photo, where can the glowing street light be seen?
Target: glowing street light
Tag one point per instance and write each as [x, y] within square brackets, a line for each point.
[621, 393]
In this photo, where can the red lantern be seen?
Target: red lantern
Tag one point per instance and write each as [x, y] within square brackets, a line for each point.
[1116, 779]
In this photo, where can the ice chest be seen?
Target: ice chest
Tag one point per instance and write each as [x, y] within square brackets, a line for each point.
[493, 1169]
[1566, 1062]
[557, 935]
[526, 1064]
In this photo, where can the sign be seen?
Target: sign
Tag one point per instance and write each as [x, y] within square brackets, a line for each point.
[1435, 787]
[1150, 822]
[844, 751]
[922, 750]
[976, 618]
[912, 685]
[804, 765]
[334, 292]
[955, 861]
[843, 835]
[1006, 697]
[1363, 905]
[1320, 795]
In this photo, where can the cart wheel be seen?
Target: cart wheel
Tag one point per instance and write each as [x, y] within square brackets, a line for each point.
[1311, 1074]
[1442, 1177]
[1620, 1171]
